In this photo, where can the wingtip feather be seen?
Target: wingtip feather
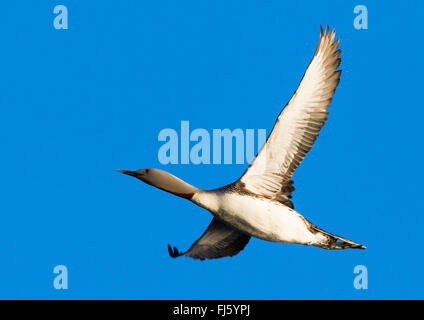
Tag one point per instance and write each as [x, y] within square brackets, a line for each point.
[173, 252]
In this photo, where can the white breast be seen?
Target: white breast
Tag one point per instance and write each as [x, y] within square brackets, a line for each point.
[259, 217]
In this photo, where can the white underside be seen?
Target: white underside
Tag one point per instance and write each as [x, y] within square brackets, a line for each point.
[259, 217]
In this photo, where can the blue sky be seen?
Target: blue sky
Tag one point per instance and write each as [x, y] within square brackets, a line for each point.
[79, 103]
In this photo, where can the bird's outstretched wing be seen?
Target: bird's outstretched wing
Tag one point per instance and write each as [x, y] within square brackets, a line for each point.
[219, 240]
[297, 126]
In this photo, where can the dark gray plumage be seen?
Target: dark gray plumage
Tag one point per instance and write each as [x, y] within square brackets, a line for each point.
[219, 240]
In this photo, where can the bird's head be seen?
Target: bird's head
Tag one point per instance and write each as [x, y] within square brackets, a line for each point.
[145, 175]
[163, 180]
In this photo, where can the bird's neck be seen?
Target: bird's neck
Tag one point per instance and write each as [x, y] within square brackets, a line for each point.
[170, 183]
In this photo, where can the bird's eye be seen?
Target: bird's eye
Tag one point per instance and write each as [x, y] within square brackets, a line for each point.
[147, 170]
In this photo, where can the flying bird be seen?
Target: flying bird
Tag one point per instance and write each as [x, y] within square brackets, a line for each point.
[259, 203]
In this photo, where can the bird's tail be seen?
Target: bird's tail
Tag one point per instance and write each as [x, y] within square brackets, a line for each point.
[336, 242]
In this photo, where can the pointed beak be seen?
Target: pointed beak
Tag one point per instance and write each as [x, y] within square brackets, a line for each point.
[128, 172]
